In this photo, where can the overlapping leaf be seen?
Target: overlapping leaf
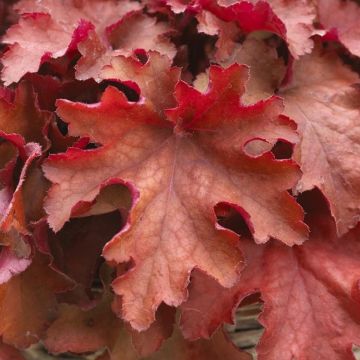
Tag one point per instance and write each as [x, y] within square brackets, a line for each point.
[9, 353]
[23, 116]
[33, 289]
[50, 28]
[341, 20]
[134, 32]
[326, 108]
[35, 39]
[290, 20]
[298, 17]
[21, 121]
[81, 331]
[13, 225]
[266, 69]
[295, 283]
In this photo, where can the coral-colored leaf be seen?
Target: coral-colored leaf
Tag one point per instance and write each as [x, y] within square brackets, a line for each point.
[138, 31]
[178, 167]
[341, 18]
[227, 32]
[135, 31]
[298, 17]
[95, 55]
[155, 83]
[327, 109]
[34, 39]
[69, 12]
[50, 28]
[266, 69]
[177, 6]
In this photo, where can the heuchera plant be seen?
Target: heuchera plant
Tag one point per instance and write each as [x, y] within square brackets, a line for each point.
[163, 162]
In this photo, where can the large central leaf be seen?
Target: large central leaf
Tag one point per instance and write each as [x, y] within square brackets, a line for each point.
[179, 164]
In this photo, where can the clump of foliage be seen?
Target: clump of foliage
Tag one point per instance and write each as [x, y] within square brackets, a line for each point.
[164, 161]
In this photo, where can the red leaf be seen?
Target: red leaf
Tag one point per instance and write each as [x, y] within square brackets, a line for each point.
[23, 116]
[67, 248]
[28, 304]
[250, 17]
[9, 353]
[295, 283]
[14, 208]
[47, 89]
[291, 20]
[327, 108]
[13, 223]
[180, 169]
